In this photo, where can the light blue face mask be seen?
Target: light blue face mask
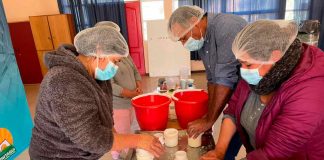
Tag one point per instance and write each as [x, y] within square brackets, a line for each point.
[193, 44]
[251, 76]
[106, 74]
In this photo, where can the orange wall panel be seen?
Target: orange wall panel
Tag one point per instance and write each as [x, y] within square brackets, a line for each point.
[20, 10]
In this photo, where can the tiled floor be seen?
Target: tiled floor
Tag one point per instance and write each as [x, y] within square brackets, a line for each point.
[149, 85]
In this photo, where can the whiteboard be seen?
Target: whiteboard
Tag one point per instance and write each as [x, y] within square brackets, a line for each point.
[165, 57]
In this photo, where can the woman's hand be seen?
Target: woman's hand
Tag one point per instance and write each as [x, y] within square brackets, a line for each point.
[129, 93]
[213, 155]
[139, 88]
[227, 131]
[151, 144]
[142, 141]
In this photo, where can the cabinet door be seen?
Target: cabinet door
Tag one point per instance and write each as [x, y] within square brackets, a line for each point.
[41, 55]
[41, 32]
[25, 52]
[29, 67]
[60, 29]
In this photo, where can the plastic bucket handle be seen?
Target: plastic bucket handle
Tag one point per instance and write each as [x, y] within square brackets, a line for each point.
[182, 90]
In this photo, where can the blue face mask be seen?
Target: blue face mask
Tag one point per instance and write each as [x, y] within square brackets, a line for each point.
[251, 76]
[106, 74]
[193, 44]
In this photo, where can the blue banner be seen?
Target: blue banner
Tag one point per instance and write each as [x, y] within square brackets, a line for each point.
[15, 120]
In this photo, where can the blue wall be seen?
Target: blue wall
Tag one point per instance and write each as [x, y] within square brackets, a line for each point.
[14, 111]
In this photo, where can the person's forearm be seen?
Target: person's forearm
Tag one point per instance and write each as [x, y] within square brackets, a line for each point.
[117, 89]
[127, 93]
[211, 100]
[139, 85]
[122, 141]
[218, 97]
[227, 131]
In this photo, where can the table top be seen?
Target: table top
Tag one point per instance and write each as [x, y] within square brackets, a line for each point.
[192, 153]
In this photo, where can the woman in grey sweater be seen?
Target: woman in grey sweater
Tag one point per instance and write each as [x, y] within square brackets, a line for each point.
[126, 85]
[74, 117]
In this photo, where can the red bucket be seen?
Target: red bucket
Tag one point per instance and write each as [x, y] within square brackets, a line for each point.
[190, 105]
[152, 111]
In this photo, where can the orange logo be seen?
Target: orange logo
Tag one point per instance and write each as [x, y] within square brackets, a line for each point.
[5, 139]
[6, 144]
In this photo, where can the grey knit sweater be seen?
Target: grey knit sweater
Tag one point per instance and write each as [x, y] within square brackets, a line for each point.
[74, 111]
[126, 77]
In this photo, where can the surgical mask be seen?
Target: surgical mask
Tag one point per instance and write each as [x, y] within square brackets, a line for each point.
[106, 74]
[193, 44]
[251, 76]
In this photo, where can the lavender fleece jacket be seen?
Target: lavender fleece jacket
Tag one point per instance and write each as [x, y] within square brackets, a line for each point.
[74, 111]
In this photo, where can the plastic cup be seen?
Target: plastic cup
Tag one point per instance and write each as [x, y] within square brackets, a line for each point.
[181, 155]
[184, 73]
[171, 137]
[195, 142]
[142, 154]
[183, 83]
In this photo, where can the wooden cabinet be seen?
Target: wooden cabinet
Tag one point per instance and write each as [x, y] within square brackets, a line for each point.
[62, 29]
[41, 33]
[25, 52]
[49, 32]
[43, 67]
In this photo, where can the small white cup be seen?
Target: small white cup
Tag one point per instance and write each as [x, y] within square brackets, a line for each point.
[171, 137]
[142, 154]
[195, 142]
[183, 83]
[181, 155]
[184, 72]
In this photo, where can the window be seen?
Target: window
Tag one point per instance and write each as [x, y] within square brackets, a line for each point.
[87, 13]
[81, 10]
[297, 10]
[252, 10]
[151, 10]
[175, 5]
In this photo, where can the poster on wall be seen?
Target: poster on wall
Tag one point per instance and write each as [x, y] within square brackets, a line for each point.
[15, 120]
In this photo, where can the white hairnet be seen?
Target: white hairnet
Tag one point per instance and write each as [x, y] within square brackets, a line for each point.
[100, 41]
[261, 38]
[186, 17]
[108, 24]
